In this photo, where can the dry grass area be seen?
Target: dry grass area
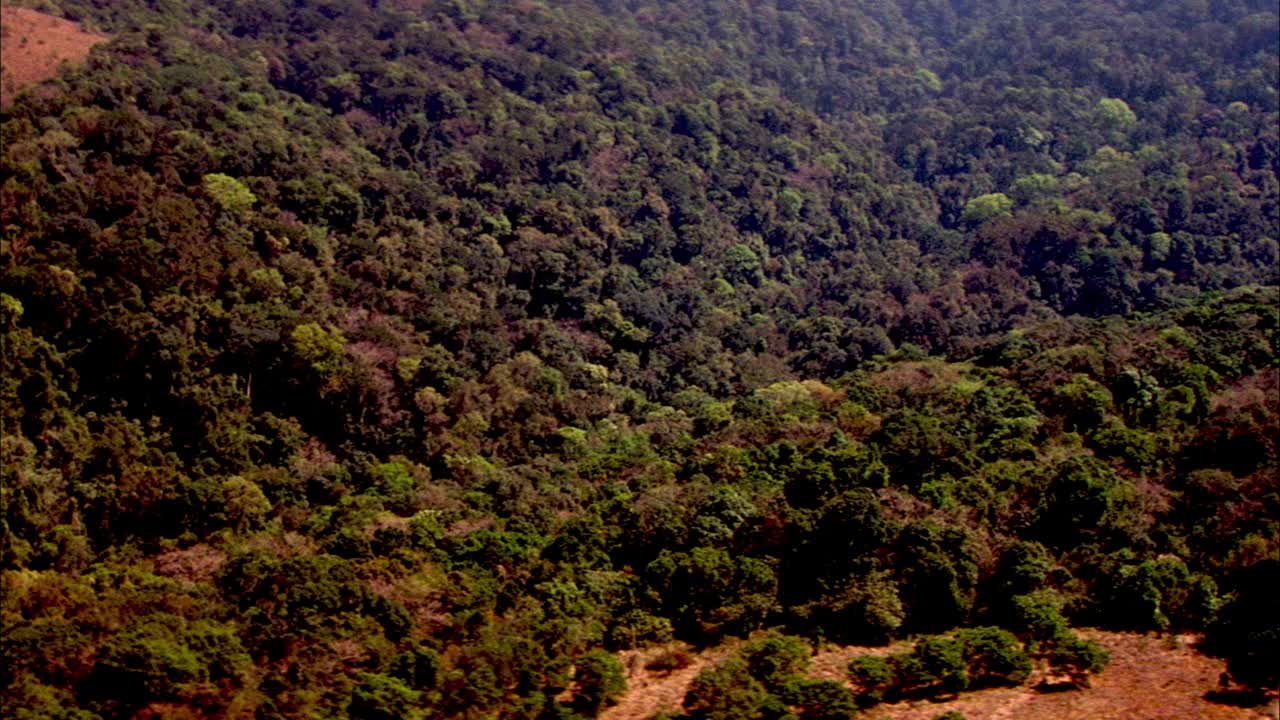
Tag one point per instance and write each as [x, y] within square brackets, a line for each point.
[651, 691]
[34, 45]
[1150, 678]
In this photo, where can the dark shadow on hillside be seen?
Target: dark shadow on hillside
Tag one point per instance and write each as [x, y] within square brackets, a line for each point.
[1237, 697]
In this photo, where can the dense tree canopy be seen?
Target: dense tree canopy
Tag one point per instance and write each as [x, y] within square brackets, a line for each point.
[406, 359]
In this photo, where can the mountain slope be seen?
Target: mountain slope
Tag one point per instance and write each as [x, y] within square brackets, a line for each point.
[401, 359]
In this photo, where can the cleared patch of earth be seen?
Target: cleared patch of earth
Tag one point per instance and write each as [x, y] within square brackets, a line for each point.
[1149, 678]
[651, 691]
[34, 45]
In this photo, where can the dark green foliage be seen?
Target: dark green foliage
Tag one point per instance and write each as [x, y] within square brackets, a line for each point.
[874, 676]
[974, 658]
[1248, 632]
[937, 577]
[1081, 499]
[993, 657]
[1160, 594]
[765, 679]
[819, 699]
[936, 665]
[379, 697]
[418, 667]
[725, 692]
[164, 659]
[775, 659]
[395, 359]
[145, 664]
[600, 679]
[1037, 617]
[709, 593]
[43, 702]
[1024, 567]
[1078, 659]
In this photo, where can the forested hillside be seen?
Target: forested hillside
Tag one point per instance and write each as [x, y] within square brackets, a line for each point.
[408, 359]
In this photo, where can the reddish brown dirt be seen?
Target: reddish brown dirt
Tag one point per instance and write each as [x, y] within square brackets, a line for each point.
[649, 692]
[1150, 678]
[34, 45]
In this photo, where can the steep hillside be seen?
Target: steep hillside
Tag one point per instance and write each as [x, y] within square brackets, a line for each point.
[411, 359]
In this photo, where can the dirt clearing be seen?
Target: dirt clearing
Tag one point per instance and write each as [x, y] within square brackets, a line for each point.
[34, 45]
[650, 690]
[1149, 678]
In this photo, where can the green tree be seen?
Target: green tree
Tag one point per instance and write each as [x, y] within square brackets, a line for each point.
[874, 676]
[1115, 113]
[1037, 616]
[725, 692]
[229, 193]
[1078, 659]
[600, 680]
[986, 207]
[775, 659]
[936, 664]
[380, 697]
[819, 699]
[993, 657]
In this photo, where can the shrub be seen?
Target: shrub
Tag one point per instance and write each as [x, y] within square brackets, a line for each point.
[601, 679]
[1078, 658]
[1038, 617]
[774, 659]
[379, 697]
[725, 692]
[874, 675]
[936, 664]
[819, 699]
[994, 657]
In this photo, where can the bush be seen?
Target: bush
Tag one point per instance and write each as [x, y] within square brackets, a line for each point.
[1078, 659]
[379, 697]
[163, 659]
[819, 699]
[937, 664]
[978, 657]
[774, 659]
[874, 675]
[1037, 617]
[601, 679]
[725, 692]
[419, 667]
[994, 657]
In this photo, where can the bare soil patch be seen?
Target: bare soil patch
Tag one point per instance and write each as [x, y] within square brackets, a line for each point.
[1150, 678]
[34, 45]
[650, 691]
